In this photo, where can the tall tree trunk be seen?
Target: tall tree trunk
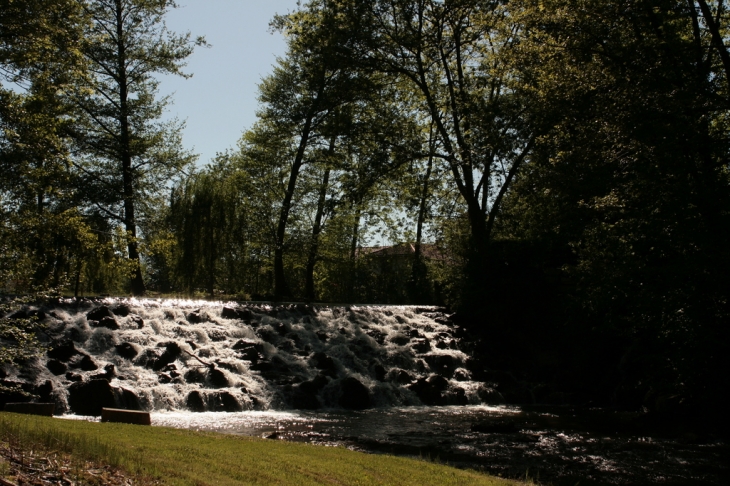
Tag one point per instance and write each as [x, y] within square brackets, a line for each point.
[130, 226]
[316, 230]
[281, 288]
[418, 271]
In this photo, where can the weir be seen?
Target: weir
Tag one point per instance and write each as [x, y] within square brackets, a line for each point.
[176, 355]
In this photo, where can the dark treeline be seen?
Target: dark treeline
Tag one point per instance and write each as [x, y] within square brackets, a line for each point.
[555, 171]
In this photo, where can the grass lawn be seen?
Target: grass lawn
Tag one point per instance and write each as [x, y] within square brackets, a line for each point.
[184, 457]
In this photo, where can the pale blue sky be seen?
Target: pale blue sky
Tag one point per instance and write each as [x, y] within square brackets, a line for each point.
[219, 101]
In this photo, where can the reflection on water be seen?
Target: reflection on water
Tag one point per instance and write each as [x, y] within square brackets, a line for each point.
[551, 446]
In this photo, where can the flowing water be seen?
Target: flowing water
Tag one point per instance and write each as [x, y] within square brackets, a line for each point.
[371, 378]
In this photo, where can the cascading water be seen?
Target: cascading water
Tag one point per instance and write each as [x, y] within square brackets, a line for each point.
[199, 356]
[379, 379]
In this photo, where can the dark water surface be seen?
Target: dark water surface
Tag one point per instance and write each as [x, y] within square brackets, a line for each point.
[551, 446]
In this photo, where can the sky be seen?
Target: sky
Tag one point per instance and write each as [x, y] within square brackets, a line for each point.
[219, 102]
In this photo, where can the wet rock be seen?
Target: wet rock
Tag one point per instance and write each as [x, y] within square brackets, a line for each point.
[127, 350]
[127, 399]
[282, 329]
[196, 317]
[457, 396]
[430, 390]
[249, 350]
[399, 339]
[421, 345]
[490, 396]
[378, 336]
[195, 375]
[108, 322]
[323, 362]
[462, 375]
[400, 376]
[192, 345]
[138, 321]
[225, 402]
[56, 367]
[217, 378]
[354, 395]
[236, 313]
[400, 320]
[44, 391]
[164, 378]
[304, 396]
[83, 362]
[443, 364]
[217, 335]
[379, 372]
[267, 334]
[108, 375]
[122, 310]
[88, 398]
[100, 313]
[62, 350]
[342, 330]
[70, 376]
[195, 402]
[171, 353]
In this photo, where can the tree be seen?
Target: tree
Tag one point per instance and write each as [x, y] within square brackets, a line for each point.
[451, 56]
[127, 154]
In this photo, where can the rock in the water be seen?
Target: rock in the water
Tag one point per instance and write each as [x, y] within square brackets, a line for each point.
[138, 321]
[196, 317]
[62, 350]
[171, 353]
[127, 399]
[195, 401]
[127, 350]
[56, 367]
[99, 313]
[323, 362]
[122, 310]
[430, 390]
[88, 398]
[195, 375]
[421, 345]
[225, 402]
[443, 364]
[217, 378]
[74, 377]
[354, 395]
[400, 376]
[84, 362]
[108, 322]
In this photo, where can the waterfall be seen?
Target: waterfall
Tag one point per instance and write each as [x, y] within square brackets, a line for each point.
[160, 355]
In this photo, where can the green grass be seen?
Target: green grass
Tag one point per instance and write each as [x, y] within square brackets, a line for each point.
[183, 457]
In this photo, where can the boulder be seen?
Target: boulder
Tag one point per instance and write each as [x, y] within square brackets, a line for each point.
[127, 399]
[99, 313]
[56, 367]
[84, 363]
[400, 376]
[196, 317]
[122, 310]
[62, 350]
[430, 390]
[379, 372]
[421, 345]
[195, 401]
[88, 398]
[44, 391]
[171, 353]
[195, 375]
[323, 362]
[138, 321]
[225, 402]
[443, 364]
[127, 350]
[217, 378]
[75, 377]
[108, 322]
[353, 394]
